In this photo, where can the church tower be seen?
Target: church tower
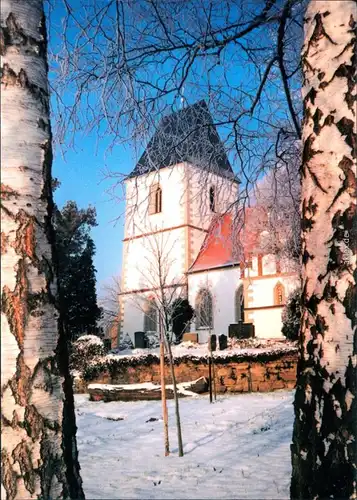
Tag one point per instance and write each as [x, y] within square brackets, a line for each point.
[181, 182]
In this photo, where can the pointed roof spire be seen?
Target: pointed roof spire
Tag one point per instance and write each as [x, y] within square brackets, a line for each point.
[187, 135]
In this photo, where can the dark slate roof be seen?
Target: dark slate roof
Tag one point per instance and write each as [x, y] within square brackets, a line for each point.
[188, 135]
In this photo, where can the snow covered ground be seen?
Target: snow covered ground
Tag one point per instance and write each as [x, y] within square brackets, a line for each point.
[238, 447]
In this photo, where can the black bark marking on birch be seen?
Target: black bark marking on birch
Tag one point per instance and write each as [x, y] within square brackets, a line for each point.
[12, 35]
[22, 455]
[316, 119]
[306, 256]
[308, 211]
[307, 155]
[33, 423]
[310, 96]
[343, 223]
[319, 32]
[4, 421]
[8, 475]
[43, 125]
[349, 45]
[308, 151]
[321, 326]
[10, 78]
[329, 120]
[336, 259]
[7, 193]
[311, 304]
[330, 292]
[349, 182]
[51, 467]
[4, 243]
[346, 128]
[350, 302]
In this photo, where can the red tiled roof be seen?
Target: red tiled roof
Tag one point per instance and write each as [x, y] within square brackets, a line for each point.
[218, 248]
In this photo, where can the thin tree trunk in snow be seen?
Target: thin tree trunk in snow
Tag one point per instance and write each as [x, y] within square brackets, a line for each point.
[39, 453]
[210, 364]
[165, 415]
[324, 448]
[174, 385]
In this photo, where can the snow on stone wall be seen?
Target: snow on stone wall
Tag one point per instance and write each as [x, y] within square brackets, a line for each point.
[237, 370]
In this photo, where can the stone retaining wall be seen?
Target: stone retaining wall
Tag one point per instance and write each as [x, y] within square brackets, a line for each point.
[250, 373]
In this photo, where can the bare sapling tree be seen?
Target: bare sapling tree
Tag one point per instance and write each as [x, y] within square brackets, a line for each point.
[176, 399]
[39, 456]
[324, 451]
[210, 367]
[163, 390]
[158, 274]
[110, 305]
[213, 374]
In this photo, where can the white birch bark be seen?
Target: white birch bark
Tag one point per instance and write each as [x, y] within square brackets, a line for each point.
[35, 455]
[324, 439]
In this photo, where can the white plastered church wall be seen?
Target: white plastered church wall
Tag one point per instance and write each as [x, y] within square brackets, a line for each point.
[268, 322]
[200, 182]
[139, 260]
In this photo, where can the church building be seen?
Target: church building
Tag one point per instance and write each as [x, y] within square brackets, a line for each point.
[180, 239]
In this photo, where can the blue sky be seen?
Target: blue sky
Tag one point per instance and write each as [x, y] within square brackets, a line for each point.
[82, 180]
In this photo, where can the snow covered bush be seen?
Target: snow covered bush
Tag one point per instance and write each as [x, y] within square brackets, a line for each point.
[84, 350]
[152, 340]
[125, 343]
[291, 315]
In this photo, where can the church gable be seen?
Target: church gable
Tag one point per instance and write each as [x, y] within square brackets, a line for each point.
[188, 135]
[217, 248]
[224, 246]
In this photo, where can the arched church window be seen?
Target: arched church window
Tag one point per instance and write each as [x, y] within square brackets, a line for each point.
[150, 317]
[279, 294]
[239, 304]
[212, 199]
[155, 199]
[204, 309]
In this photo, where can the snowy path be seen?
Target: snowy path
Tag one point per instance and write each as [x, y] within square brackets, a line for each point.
[236, 448]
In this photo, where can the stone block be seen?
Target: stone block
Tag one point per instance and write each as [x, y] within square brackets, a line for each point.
[190, 337]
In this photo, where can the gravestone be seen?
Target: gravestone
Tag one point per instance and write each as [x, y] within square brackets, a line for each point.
[241, 330]
[140, 340]
[222, 340]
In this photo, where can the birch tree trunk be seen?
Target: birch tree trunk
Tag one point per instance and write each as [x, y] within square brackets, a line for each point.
[324, 444]
[39, 453]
